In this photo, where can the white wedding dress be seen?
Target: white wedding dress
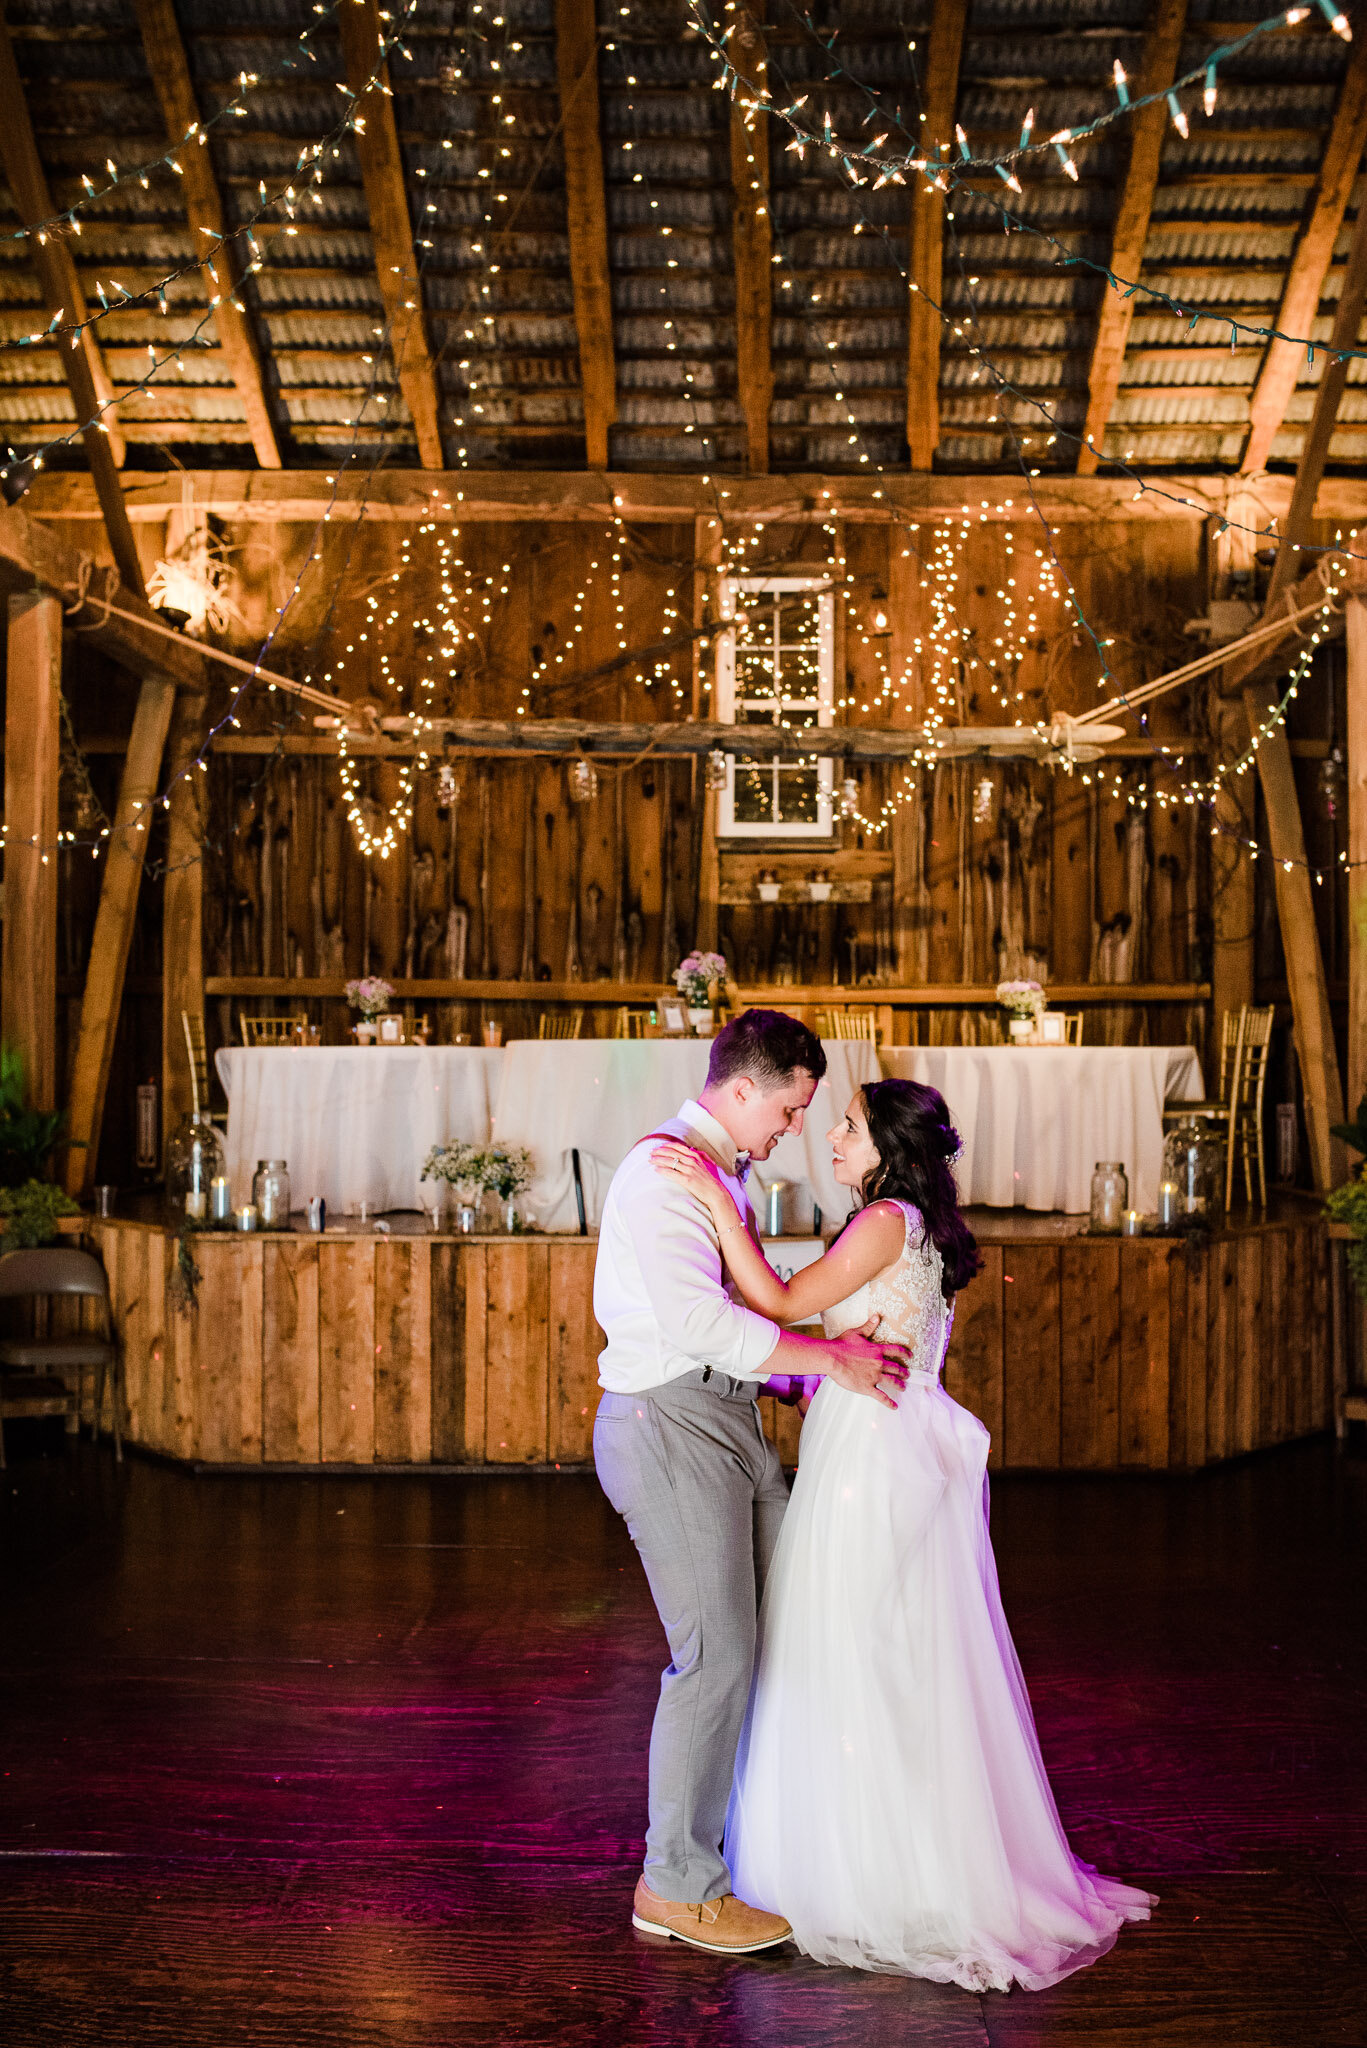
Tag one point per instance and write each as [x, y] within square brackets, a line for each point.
[890, 1798]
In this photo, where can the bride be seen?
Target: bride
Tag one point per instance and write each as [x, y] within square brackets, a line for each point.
[890, 1798]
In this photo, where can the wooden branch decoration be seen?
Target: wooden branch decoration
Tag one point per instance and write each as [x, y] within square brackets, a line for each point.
[751, 237]
[1157, 70]
[1305, 280]
[576, 62]
[947, 23]
[391, 232]
[170, 68]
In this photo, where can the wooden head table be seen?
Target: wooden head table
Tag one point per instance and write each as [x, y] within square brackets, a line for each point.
[1078, 1353]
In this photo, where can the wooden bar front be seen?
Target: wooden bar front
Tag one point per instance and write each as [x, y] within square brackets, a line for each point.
[1078, 1353]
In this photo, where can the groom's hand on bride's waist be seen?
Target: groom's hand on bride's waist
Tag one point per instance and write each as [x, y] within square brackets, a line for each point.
[863, 1365]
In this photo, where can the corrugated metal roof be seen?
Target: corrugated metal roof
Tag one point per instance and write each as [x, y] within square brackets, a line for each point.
[1229, 205]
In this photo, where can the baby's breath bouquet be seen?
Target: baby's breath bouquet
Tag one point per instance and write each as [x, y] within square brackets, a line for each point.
[460, 1165]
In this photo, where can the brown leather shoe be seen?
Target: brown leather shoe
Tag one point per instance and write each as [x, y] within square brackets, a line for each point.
[727, 1925]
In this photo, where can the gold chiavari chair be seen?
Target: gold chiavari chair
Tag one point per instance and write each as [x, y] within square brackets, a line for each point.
[848, 1024]
[1072, 1027]
[192, 1024]
[1246, 1105]
[273, 1030]
[561, 1023]
[1231, 1044]
[629, 1023]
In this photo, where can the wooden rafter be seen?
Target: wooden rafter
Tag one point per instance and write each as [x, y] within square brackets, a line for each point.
[752, 238]
[92, 392]
[170, 69]
[941, 91]
[1158, 68]
[1310, 263]
[576, 63]
[391, 231]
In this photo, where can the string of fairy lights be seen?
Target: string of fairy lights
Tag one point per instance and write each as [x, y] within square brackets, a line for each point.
[949, 646]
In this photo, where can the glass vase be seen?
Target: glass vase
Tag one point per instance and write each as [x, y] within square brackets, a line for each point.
[194, 1161]
[271, 1193]
[1110, 1197]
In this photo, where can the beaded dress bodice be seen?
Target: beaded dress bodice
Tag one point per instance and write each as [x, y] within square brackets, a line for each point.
[906, 1299]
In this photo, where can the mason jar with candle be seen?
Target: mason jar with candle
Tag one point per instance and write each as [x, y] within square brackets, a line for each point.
[194, 1161]
[1110, 1197]
[1194, 1158]
[271, 1193]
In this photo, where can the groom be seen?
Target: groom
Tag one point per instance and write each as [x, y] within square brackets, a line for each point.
[682, 1456]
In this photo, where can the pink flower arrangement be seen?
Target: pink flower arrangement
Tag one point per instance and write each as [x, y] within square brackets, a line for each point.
[369, 995]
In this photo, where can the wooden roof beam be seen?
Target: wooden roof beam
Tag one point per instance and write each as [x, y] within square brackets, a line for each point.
[92, 392]
[939, 97]
[752, 238]
[391, 231]
[576, 63]
[33, 557]
[223, 269]
[1310, 263]
[1157, 70]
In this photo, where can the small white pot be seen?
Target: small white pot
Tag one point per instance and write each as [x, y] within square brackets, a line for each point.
[365, 1031]
[768, 891]
[1022, 1030]
[700, 1017]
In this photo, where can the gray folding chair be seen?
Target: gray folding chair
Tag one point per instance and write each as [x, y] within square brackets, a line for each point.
[36, 1372]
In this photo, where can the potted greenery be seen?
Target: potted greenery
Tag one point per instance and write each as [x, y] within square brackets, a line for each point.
[30, 1201]
[370, 997]
[1348, 1204]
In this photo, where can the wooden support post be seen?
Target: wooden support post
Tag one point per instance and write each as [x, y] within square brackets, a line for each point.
[707, 551]
[1157, 70]
[391, 232]
[947, 22]
[170, 69]
[182, 909]
[103, 996]
[1300, 939]
[1356, 620]
[576, 63]
[92, 392]
[752, 239]
[1309, 267]
[28, 978]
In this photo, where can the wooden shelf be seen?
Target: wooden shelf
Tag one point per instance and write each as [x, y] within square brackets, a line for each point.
[611, 994]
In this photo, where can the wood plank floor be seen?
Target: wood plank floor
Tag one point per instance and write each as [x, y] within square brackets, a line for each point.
[360, 1763]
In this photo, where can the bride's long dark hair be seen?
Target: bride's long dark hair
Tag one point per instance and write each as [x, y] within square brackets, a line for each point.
[915, 1140]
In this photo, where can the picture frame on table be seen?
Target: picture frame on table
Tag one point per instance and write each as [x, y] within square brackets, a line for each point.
[674, 1021]
[1051, 1028]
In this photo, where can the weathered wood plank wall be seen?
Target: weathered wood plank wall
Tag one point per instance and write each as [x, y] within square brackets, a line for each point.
[1090, 1356]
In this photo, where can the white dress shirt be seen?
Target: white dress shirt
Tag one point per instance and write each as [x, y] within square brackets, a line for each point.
[660, 1291]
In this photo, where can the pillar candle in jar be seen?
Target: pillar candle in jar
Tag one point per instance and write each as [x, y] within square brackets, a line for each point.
[1132, 1223]
[196, 1204]
[220, 1199]
[1169, 1204]
[246, 1217]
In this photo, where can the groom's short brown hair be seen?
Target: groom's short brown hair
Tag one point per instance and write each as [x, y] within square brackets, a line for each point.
[769, 1046]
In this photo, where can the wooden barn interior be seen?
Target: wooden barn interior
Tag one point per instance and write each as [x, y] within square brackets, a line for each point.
[417, 426]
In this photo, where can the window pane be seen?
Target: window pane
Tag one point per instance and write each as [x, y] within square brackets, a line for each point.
[754, 792]
[798, 792]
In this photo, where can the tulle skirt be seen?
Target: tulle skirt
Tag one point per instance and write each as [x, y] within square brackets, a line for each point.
[890, 1798]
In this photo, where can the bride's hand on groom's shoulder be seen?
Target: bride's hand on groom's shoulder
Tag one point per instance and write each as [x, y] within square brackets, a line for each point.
[863, 1365]
[687, 1169]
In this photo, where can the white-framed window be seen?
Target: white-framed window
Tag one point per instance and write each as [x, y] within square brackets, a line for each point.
[776, 666]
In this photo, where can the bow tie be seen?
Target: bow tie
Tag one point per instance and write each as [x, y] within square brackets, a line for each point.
[741, 1169]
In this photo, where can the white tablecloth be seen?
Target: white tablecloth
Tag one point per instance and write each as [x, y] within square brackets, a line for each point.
[602, 1094]
[1035, 1119]
[354, 1122]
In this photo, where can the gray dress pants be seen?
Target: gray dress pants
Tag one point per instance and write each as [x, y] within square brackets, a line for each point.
[703, 1493]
